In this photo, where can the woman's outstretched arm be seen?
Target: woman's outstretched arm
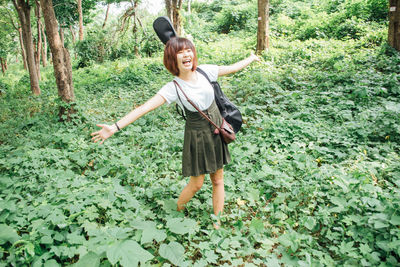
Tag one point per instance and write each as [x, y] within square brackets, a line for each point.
[107, 131]
[225, 70]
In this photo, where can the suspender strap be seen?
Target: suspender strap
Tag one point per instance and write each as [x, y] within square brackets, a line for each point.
[204, 74]
[194, 105]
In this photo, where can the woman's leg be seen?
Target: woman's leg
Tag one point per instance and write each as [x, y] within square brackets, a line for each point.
[217, 179]
[194, 185]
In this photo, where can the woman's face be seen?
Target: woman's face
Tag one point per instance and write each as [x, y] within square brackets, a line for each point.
[185, 60]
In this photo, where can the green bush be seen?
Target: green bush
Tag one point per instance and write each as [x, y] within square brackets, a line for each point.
[4, 87]
[94, 48]
[342, 19]
[236, 17]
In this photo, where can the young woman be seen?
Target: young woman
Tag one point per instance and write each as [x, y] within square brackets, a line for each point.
[203, 151]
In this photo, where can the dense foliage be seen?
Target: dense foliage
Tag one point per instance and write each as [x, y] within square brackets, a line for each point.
[314, 179]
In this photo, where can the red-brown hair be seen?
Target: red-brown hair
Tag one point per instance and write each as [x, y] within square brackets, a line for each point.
[173, 46]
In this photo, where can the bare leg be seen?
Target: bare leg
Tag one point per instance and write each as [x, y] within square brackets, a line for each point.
[218, 195]
[194, 185]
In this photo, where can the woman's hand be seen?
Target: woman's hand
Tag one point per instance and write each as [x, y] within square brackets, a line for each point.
[105, 132]
[254, 57]
[224, 70]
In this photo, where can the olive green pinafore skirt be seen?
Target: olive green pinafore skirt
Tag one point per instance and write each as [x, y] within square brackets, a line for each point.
[203, 151]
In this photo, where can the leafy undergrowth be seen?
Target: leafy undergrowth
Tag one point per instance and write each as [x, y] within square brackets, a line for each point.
[314, 179]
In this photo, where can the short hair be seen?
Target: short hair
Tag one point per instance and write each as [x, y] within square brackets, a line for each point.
[173, 46]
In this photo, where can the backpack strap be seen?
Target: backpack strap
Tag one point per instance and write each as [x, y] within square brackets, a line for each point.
[179, 110]
[196, 107]
[204, 74]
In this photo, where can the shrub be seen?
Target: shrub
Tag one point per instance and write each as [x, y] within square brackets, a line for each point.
[95, 48]
[234, 18]
[3, 87]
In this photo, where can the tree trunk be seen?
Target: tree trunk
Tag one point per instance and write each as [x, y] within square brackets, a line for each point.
[263, 26]
[176, 11]
[62, 36]
[173, 8]
[23, 10]
[3, 68]
[168, 7]
[21, 42]
[394, 24]
[39, 41]
[44, 49]
[105, 19]
[61, 60]
[71, 29]
[80, 20]
[136, 48]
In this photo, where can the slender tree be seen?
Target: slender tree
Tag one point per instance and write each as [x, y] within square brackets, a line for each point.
[80, 20]
[173, 8]
[39, 37]
[71, 29]
[263, 26]
[23, 9]
[44, 48]
[106, 16]
[3, 65]
[394, 24]
[18, 29]
[61, 59]
[130, 14]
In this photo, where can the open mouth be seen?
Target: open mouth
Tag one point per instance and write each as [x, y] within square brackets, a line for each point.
[187, 62]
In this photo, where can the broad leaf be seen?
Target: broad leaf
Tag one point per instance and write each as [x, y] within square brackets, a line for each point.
[128, 253]
[174, 252]
[51, 263]
[182, 226]
[310, 223]
[90, 259]
[7, 234]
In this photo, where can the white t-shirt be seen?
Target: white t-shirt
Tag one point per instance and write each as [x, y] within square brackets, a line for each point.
[201, 93]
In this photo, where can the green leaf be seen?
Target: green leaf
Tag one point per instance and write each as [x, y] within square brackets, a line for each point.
[150, 231]
[257, 225]
[128, 253]
[8, 234]
[182, 226]
[149, 234]
[310, 223]
[47, 240]
[365, 249]
[76, 238]
[380, 224]
[51, 263]
[393, 106]
[174, 252]
[90, 259]
[273, 262]
[211, 257]
[395, 220]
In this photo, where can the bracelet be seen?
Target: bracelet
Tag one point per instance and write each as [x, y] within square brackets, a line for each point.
[117, 127]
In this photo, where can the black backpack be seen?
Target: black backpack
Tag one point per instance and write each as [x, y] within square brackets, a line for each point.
[228, 110]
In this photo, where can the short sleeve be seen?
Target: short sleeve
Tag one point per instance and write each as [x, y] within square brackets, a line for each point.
[168, 92]
[211, 71]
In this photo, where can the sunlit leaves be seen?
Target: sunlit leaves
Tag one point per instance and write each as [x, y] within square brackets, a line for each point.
[174, 252]
[7, 234]
[88, 260]
[182, 226]
[128, 253]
